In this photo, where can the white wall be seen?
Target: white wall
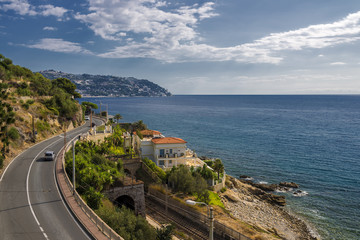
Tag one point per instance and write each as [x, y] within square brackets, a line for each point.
[179, 149]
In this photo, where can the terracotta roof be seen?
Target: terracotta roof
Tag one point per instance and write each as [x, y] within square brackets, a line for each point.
[168, 140]
[150, 132]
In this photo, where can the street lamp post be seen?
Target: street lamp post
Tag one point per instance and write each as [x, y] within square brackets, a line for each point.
[210, 216]
[74, 187]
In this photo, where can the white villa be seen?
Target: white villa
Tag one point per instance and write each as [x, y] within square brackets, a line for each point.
[166, 152]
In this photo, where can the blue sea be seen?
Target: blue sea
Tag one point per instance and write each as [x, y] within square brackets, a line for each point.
[311, 140]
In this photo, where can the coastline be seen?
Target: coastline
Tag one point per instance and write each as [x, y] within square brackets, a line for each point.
[243, 203]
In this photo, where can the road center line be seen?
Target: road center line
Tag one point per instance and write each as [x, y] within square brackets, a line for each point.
[27, 189]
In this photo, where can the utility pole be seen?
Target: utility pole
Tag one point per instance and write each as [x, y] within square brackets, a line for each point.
[90, 118]
[33, 127]
[166, 199]
[74, 187]
[64, 134]
[211, 219]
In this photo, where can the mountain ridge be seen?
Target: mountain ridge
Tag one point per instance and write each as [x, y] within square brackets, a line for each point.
[109, 86]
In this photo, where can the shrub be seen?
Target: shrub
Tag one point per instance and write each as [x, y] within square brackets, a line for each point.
[30, 101]
[1, 161]
[42, 126]
[161, 173]
[183, 180]
[25, 106]
[93, 198]
[13, 134]
[125, 222]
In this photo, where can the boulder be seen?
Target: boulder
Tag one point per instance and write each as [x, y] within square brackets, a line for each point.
[231, 196]
[244, 177]
[274, 199]
[289, 184]
[266, 187]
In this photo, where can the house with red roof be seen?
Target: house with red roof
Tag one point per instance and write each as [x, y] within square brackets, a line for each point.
[166, 152]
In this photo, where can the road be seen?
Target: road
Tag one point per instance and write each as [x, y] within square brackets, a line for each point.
[31, 206]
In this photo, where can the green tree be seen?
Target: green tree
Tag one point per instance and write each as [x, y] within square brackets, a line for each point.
[41, 85]
[20, 72]
[93, 198]
[117, 117]
[67, 86]
[165, 233]
[2, 72]
[218, 167]
[5, 62]
[63, 103]
[139, 125]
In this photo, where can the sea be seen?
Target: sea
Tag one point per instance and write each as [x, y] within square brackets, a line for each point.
[312, 140]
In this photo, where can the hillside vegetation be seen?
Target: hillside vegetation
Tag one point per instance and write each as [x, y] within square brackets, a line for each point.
[32, 108]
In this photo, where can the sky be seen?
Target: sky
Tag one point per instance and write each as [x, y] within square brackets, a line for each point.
[193, 46]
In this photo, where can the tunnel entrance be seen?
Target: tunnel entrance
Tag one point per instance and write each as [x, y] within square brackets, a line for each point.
[126, 201]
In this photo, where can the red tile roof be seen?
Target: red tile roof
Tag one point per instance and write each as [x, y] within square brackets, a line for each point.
[150, 132]
[168, 140]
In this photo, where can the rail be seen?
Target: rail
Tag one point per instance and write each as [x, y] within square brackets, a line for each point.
[188, 212]
[102, 226]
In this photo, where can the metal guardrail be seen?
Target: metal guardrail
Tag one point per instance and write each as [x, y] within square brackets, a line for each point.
[103, 227]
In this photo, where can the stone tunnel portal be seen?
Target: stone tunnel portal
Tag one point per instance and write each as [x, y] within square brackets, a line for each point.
[126, 201]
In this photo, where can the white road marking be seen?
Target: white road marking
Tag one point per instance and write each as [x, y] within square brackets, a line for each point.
[27, 190]
[62, 200]
[27, 182]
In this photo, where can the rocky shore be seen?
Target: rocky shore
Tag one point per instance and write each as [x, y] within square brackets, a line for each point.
[255, 205]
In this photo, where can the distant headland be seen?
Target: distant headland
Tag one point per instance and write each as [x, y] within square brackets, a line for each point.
[110, 86]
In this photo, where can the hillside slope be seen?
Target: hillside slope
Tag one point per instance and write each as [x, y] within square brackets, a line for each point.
[111, 86]
[32, 108]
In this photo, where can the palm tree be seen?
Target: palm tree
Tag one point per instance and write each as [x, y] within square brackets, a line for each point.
[118, 117]
[139, 125]
[218, 167]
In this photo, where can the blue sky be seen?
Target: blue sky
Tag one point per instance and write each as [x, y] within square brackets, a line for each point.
[193, 47]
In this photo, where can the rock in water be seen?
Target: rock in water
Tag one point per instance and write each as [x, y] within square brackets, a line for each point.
[289, 184]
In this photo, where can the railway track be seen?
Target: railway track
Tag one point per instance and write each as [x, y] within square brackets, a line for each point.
[194, 229]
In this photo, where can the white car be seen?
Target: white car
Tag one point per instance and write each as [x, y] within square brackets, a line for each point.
[87, 118]
[49, 155]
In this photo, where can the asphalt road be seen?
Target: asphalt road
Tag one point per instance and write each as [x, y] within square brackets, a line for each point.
[31, 206]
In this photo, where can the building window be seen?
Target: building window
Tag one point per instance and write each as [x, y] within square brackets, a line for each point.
[170, 161]
[161, 162]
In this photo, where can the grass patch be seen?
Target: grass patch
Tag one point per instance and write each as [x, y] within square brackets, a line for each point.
[100, 128]
[215, 200]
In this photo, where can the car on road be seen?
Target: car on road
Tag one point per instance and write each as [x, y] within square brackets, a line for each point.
[49, 155]
[87, 118]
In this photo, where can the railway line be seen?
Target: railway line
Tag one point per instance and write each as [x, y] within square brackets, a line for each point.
[195, 230]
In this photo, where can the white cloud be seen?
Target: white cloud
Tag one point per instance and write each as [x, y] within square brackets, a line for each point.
[337, 63]
[23, 7]
[50, 10]
[58, 45]
[47, 28]
[171, 35]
